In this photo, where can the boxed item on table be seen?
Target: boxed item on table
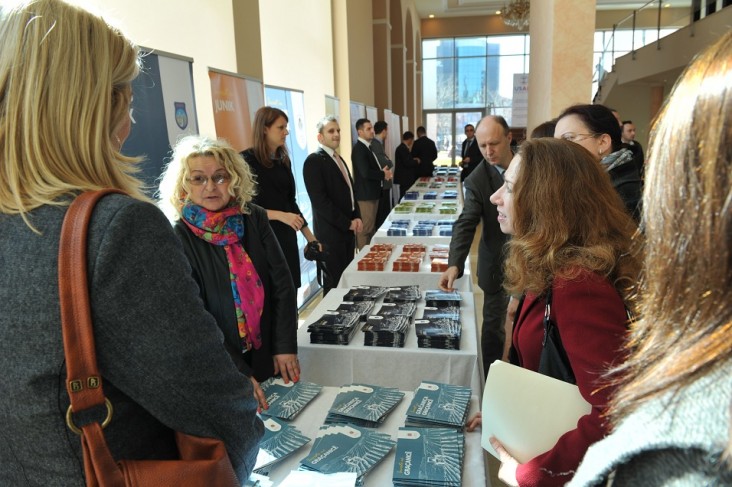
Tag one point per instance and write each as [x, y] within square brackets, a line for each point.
[438, 265]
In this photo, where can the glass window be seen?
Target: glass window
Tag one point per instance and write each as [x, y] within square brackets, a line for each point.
[470, 46]
[470, 81]
[434, 48]
[500, 78]
[623, 41]
[506, 44]
[438, 83]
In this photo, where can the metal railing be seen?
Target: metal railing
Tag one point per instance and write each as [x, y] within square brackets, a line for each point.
[637, 29]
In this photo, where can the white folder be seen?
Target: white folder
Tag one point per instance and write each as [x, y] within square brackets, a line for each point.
[527, 411]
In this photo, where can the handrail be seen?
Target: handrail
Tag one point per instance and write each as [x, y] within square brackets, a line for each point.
[679, 17]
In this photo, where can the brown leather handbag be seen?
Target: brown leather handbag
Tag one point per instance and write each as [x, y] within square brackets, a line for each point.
[203, 461]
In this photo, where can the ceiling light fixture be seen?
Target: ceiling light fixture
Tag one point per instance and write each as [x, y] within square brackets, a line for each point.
[516, 14]
[432, 16]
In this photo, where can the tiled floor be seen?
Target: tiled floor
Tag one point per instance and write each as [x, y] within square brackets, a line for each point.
[492, 464]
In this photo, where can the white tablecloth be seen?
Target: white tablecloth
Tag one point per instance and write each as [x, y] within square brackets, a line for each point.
[403, 368]
[425, 279]
[381, 235]
[313, 417]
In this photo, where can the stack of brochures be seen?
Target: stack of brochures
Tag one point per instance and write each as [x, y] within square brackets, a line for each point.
[407, 309]
[365, 293]
[347, 448]
[403, 294]
[386, 331]
[429, 457]
[363, 405]
[334, 327]
[287, 400]
[279, 440]
[439, 405]
[439, 328]
[363, 308]
[442, 299]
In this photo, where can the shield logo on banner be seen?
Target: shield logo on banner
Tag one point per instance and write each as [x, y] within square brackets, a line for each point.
[181, 116]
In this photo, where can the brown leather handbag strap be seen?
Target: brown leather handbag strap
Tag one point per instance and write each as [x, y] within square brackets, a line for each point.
[83, 382]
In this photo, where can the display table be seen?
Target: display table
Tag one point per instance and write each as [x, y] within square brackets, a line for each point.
[382, 236]
[403, 368]
[313, 417]
[424, 278]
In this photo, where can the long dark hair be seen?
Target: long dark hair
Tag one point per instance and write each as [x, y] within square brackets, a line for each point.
[264, 118]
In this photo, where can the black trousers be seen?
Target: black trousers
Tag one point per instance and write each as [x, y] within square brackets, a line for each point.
[340, 254]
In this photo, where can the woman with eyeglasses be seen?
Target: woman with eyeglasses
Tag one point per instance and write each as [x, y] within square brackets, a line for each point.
[595, 128]
[207, 189]
[276, 191]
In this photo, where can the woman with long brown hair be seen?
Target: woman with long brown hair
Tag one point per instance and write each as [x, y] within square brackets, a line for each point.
[276, 191]
[570, 249]
[671, 414]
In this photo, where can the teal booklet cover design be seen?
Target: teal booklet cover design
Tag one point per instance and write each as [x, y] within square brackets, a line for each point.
[429, 457]
[279, 440]
[363, 404]
[347, 448]
[287, 400]
[437, 404]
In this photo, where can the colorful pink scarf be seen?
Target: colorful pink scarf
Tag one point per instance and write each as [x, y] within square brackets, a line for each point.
[226, 228]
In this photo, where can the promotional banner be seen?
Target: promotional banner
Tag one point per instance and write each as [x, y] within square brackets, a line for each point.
[293, 104]
[520, 104]
[358, 110]
[332, 107]
[163, 110]
[235, 100]
[372, 115]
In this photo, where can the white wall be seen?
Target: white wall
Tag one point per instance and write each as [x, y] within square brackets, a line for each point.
[202, 30]
[297, 53]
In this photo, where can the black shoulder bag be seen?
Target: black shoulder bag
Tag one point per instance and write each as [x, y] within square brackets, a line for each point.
[553, 361]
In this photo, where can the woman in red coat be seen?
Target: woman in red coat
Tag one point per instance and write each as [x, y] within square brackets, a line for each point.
[571, 238]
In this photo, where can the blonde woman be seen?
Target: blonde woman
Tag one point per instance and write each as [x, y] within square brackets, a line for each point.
[64, 114]
[243, 278]
[671, 415]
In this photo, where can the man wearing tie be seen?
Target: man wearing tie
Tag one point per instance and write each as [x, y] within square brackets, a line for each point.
[369, 177]
[471, 153]
[336, 216]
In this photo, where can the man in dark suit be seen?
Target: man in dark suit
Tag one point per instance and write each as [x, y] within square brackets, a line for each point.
[494, 139]
[405, 168]
[425, 151]
[336, 218]
[367, 181]
[381, 132]
[470, 153]
[628, 138]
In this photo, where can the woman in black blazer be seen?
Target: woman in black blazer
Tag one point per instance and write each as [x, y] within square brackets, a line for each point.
[235, 258]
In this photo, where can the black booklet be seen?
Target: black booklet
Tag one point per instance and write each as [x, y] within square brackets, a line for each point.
[442, 299]
[334, 327]
[365, 293]
[386, 331]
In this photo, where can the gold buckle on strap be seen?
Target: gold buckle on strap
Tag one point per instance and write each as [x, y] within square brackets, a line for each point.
[75, 429]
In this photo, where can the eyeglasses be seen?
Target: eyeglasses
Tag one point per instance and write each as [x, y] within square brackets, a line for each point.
[576, 137]
[218, 179]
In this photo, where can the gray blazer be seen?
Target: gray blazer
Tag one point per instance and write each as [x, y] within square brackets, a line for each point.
[479, 186]
[160, 353]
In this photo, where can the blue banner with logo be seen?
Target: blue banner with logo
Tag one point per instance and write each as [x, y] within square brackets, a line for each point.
[163, 110]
